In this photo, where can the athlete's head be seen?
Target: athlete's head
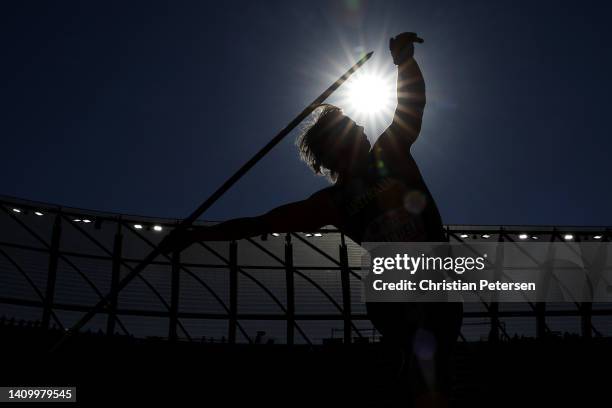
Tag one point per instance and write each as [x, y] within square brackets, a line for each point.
[334, 144]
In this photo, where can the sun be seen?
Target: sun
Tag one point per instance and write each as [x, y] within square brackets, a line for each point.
[370, 94]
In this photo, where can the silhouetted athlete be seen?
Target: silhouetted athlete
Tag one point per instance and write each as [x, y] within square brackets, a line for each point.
[378, 194]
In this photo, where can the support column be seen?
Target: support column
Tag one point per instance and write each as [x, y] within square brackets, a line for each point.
[174, 296]
[346, 291]
[52, 272]
[115, 276]
[290, 290]
[543, 287]
[233, 292]
[494, 305]
[586, 309]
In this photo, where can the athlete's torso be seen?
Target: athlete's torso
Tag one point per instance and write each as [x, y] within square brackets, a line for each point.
[388, 201]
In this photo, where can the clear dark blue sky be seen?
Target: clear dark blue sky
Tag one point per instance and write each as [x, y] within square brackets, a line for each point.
[146, 108]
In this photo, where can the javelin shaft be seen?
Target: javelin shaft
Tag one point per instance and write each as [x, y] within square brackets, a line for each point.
[280, 136]
[214, 197]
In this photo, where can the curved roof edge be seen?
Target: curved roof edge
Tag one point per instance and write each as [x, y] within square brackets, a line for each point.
[33, 206]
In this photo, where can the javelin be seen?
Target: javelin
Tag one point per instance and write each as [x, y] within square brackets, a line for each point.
[213, 198]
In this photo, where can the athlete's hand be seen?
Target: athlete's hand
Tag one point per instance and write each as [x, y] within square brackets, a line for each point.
[402, 47]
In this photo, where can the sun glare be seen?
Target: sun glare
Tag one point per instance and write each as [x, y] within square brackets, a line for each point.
[369, 94]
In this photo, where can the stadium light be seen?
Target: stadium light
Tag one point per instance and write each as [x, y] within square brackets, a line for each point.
[138, 226]
[535, 237]
[486, 236]
[38, 213]
[308, 234]
[157, 228]
[86, 220]
[275, 234]
[77, 220]
[17, 210]
[597, 237]
[523, 236]
[318, 234]
[568, 237]
[464, 235]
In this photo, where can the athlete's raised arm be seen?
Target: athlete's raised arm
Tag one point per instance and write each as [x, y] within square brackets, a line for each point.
[406, 125]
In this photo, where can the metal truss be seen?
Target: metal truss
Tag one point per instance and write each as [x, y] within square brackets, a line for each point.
[122, 225]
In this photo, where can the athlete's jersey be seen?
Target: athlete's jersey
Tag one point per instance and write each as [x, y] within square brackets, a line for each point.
[387, 201]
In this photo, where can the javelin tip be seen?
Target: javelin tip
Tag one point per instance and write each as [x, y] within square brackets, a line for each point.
[362, 60]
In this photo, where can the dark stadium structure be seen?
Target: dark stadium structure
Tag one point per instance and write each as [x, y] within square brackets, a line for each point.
[256, 303]
[56, 262]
